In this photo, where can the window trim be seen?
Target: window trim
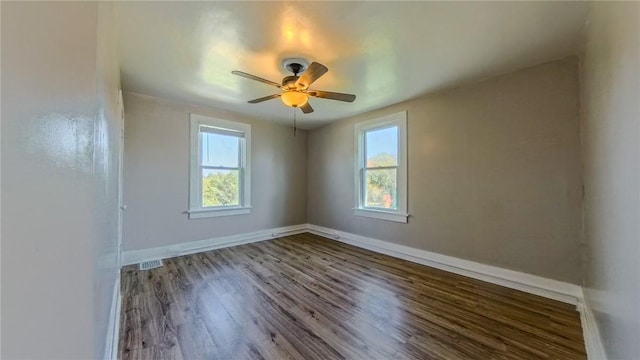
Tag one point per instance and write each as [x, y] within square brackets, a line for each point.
[401, 214]
[196, 211]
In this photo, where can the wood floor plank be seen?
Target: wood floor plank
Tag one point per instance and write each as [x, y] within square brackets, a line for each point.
[306, 297]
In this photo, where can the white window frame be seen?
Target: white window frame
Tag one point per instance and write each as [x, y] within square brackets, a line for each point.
[196, 210]
[398, 119]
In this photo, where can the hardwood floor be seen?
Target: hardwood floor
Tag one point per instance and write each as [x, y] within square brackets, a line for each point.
[306, 297]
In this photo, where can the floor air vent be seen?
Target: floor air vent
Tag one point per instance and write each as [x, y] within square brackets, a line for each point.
[147, 265]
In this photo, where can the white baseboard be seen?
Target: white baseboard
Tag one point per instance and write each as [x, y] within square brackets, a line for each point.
[592, 340]
[552, 289]
[113, 329]
[192, 247]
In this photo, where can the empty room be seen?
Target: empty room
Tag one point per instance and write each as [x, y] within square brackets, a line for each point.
[320, 180]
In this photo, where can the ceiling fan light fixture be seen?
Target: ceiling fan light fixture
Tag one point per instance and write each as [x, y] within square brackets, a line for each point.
[294, 98]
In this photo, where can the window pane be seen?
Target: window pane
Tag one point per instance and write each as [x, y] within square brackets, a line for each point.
[220, 150]
[382, 147]
[381, 188]
[220, 188]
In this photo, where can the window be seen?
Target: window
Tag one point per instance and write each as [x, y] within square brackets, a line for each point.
[381, 168]
[220, 174]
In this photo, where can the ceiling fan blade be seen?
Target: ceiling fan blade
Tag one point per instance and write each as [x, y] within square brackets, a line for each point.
[313, 73]
[255, 101]
[332, 95]
[253, 77]
[306, 108]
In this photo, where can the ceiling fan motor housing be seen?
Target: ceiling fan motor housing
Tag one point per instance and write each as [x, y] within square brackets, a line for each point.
[289, 82]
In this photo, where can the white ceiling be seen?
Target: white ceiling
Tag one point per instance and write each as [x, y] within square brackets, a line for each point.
[384, 52]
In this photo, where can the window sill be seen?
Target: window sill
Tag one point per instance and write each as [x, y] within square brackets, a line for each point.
[208, 213]
[382, 215]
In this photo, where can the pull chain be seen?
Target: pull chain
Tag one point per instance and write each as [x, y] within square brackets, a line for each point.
[294, 122]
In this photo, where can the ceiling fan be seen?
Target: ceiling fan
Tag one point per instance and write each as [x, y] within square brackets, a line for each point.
[295, 89]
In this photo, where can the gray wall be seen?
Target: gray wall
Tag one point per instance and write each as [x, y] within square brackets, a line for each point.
[156, 183]
[59, 177]
[494, 173]
[611, 148]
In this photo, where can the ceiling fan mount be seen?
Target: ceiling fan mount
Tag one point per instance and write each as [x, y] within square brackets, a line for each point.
[295, 88]
[295, 65]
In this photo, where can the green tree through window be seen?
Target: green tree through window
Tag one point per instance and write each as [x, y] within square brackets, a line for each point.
[381, 183]
[220, 188]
